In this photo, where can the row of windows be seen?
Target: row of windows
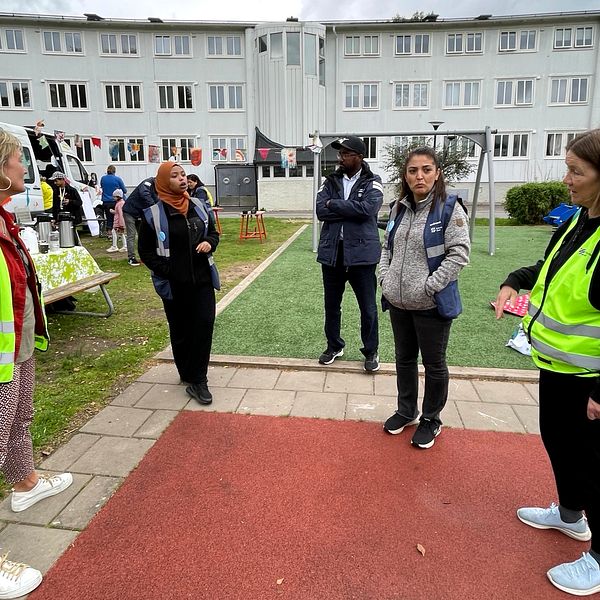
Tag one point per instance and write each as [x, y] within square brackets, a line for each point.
[524, 40]
[135, 149]
[122, 96]
[466, 94]
[122, 44]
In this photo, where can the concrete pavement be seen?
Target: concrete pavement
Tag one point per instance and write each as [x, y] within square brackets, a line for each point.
[104, 451]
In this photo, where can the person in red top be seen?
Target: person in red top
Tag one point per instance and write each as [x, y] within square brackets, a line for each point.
[22, 329]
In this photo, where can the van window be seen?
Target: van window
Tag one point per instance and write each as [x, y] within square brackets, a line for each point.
[77, 169]
[28, 164]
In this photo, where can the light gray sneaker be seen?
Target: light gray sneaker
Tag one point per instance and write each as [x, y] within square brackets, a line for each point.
[549, 518]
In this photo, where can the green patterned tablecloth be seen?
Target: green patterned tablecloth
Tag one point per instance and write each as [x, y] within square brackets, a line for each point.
[63, 266]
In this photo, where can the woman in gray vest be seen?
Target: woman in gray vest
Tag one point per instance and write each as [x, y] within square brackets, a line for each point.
[176, 241]
[426, 244]
[563, 324]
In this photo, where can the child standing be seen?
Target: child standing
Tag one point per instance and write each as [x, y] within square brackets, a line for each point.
[118, 224]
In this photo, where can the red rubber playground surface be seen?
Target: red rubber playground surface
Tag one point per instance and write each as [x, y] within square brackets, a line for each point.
[232, 507]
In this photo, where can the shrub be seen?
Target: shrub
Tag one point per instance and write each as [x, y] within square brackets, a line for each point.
[527, 204]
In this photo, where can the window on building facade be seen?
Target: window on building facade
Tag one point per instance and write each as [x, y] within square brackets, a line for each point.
[262, 43]
[523, 40]
[352, 45]
[176, 45]
[123, 96]
[511, 145]
[361, 95]
[460, 144]
[417, 44]
[226, 97]
[569, 90]
[310, 54]
[292, 40]
[371, 145]
[175, 97]
[229, 149]
[56, 42]
[124, 44]
[464, 43]
[72, 96]
[460, 94]
[573, 37]
[321, 60]
[404, 140]
[411, 94]
[14, 94]
[224, 45]
[83, 149]
[162, 45]
[178, 147]
[514, 92]
[276, 43]
[556, 143]
[371, 45]
[126, 149]
[12, 40]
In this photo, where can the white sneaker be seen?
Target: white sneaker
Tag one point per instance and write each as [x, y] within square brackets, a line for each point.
[17, 579]
[112, 249]
[123, 249]
[44, 488]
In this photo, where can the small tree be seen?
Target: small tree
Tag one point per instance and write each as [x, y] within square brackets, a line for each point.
[452, 158]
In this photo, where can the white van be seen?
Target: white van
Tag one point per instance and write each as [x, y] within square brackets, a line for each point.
[39, 161]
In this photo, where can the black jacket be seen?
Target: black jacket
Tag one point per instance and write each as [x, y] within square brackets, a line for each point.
[143, 196]
[357, 216]
[71, 203]
[184, 265]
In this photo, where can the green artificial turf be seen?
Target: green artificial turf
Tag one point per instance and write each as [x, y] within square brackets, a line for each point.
[281, 313]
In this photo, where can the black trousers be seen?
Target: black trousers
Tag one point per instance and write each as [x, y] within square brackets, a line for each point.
[572, 442]
[363, 281]
[191, 318]
[426, 331]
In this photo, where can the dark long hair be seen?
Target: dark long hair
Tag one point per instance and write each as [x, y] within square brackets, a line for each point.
[195, 178]
[439, 187]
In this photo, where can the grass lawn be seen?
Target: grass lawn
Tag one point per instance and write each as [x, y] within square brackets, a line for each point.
[281, 313]
[92, 359]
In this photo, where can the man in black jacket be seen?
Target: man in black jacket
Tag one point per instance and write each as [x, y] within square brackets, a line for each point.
[142, 197]
[65, 198]
[349, 248]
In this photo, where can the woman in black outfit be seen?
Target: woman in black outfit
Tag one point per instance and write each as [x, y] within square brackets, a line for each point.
[176, 240]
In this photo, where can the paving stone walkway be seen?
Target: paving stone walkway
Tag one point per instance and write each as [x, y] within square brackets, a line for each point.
[102, 453]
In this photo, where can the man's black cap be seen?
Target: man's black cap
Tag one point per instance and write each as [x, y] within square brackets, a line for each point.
[352, 143]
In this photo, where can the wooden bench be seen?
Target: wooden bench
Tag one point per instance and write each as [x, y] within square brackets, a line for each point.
[70, 289]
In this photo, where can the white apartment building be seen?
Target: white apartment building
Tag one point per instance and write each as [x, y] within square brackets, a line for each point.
[131, 92]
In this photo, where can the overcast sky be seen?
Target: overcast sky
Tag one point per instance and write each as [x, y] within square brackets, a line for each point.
[305, 10]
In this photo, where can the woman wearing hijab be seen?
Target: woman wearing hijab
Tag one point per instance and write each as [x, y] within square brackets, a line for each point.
[176, 241]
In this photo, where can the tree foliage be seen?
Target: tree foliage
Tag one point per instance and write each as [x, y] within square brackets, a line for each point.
[453, 159]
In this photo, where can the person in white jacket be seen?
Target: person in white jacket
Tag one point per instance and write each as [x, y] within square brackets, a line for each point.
[426, 244]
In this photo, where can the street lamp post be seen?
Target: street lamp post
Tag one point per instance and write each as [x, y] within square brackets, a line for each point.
[435, 125]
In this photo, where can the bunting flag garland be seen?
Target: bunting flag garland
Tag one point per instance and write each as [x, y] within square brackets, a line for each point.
[240, 154]
[196, 156]
[264, 152]
[43, 142]
[216, 153]
[135, 148]
[153, 153]
[113, 149]
[59, 135]
[78, 141]
[96, 141]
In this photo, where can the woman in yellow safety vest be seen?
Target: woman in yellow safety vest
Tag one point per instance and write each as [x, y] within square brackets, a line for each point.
[563, 325]
[22, 328]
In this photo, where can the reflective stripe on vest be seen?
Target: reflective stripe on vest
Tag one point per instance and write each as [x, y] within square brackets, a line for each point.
[565, 330]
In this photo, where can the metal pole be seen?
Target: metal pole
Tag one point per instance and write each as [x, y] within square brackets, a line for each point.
[492, 187]
[316, 148]
[476, 195]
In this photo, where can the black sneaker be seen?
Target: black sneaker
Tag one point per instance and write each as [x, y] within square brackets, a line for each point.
[396, 423]
[426, 433]
[330, 355]
[372, 363]
[134, 262]
[200, 393]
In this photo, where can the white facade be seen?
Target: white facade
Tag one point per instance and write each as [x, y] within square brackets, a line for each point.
[132, 84]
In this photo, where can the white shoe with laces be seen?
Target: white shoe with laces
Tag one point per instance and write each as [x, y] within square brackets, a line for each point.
[112, 249]
[44, 488]
[17, 579]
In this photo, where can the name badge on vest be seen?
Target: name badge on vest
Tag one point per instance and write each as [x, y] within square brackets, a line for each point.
[436, 227]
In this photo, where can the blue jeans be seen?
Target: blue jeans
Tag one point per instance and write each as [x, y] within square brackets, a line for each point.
[426, 331]
[364, 284]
